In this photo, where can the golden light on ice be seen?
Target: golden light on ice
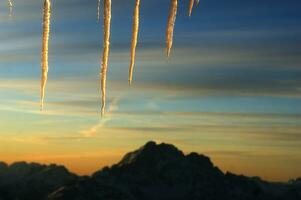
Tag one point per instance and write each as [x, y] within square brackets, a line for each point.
[106, 51]
[134, 39]
[171, 25]
[106, 41]
[45, 40]
[191, 4]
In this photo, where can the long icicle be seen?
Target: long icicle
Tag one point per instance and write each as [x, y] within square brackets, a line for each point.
[191, 3]
[134, 39]
[45, 40]
[98, 10]
[171, 25]
[10, 6]
[106, 50]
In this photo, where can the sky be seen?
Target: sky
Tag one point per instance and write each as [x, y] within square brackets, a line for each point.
[231, 89]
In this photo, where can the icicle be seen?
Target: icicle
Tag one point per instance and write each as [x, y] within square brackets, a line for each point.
[171, 25]
[191, 3]
[45, 40]
[10, 6]
[134, 39]
[106, 50]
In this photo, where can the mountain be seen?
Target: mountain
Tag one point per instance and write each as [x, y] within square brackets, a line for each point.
[153, 172]
[31, 181]
[156, 172]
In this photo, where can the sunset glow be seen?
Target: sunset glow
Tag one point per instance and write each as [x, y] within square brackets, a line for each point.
[230, 88]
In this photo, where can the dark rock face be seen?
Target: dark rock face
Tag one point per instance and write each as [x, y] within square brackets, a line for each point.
[153, 172]
[3, 167]
[162, 172]
[29, 181]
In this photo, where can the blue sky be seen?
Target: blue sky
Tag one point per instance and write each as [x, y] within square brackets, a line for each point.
[231, 88]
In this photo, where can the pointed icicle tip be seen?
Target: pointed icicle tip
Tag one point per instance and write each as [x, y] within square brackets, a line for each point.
[171, 25]
[130, 82]
[168, 53]
[191, 4]
[41, 106]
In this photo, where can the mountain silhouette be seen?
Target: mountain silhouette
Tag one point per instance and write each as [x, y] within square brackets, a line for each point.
[153, 172]
[31, 181]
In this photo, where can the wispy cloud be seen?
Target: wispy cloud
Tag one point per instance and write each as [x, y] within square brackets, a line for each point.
[91, 132]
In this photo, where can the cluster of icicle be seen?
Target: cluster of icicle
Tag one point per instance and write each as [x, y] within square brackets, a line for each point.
[106, 40]
[135, 30]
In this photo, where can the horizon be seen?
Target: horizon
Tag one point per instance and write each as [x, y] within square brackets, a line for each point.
[231, 89]
[115, 163]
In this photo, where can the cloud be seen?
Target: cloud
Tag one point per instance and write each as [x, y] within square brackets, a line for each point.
[91, 132]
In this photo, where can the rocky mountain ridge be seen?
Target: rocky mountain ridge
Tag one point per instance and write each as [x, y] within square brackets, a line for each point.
[153, 172]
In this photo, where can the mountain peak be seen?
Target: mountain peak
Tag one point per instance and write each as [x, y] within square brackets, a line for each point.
[153, 172]
[151, 153]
